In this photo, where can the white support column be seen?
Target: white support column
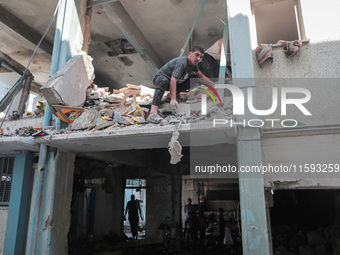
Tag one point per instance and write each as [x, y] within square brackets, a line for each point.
[253, 210]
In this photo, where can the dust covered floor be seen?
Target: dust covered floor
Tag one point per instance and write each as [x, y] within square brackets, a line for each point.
[114, 245]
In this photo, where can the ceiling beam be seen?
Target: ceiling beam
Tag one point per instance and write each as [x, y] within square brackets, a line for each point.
[129, 158]
[117, 14]
[19, 68]
[17, 28]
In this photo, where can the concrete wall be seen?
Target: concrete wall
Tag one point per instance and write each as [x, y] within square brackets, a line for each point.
[314, 60]
[3, 221]
[301, 153]
[315, 68]
[226, 205]
[103, 210]
[160, 205]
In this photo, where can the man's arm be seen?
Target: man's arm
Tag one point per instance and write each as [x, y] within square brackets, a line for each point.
[140, 212]
[173, 83]
[204, 79]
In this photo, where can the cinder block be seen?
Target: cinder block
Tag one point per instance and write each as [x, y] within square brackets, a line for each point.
[68, 85]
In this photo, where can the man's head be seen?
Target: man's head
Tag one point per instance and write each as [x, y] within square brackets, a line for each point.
[195, 55]
[189, 201]
[132, 197]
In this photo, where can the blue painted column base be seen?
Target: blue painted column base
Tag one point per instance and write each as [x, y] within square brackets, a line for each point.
[19, 205]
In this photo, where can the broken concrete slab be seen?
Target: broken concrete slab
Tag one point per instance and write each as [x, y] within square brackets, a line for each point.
[104, 125]
[24, 122]
[68, 86]
[126, 121]
[87, 120]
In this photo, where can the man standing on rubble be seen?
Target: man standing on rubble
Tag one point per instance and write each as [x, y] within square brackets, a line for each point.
[174, 76]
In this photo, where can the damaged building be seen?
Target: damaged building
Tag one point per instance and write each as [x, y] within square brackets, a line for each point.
[75, 143]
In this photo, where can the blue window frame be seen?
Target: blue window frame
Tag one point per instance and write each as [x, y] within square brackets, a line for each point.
[6, 173]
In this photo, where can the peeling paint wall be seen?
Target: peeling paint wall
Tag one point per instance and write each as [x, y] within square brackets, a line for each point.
[3, 222]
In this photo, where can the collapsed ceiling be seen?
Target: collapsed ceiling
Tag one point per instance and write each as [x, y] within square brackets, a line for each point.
[162, 26]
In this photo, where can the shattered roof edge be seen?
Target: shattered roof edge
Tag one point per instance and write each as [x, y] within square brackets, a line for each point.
[158, 130]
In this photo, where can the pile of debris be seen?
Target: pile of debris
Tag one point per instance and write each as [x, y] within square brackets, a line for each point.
[318, 242]
[39, 109]
[103, 111]
[77, 101]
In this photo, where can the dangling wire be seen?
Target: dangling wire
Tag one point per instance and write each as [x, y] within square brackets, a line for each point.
[18, 83]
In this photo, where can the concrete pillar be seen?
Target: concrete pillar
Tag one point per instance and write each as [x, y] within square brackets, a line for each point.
[56, 203]
[19, 205]
[51, 207]
[177, 207]
[118, 203]
[253, 209]
[159, 206]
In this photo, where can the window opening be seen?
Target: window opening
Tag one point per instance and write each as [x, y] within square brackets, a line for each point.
[278, 20]
[6, 172]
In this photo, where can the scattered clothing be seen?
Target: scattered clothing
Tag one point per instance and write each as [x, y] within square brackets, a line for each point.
[291, 47]
[215, 50]
[263, 53]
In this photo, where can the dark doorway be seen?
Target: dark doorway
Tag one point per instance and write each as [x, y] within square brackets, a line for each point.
[305, 221]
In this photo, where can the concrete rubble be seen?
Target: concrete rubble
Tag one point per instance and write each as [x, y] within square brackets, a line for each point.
[68, 85]
[87, 120]
[104, 110]
[73, 97]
